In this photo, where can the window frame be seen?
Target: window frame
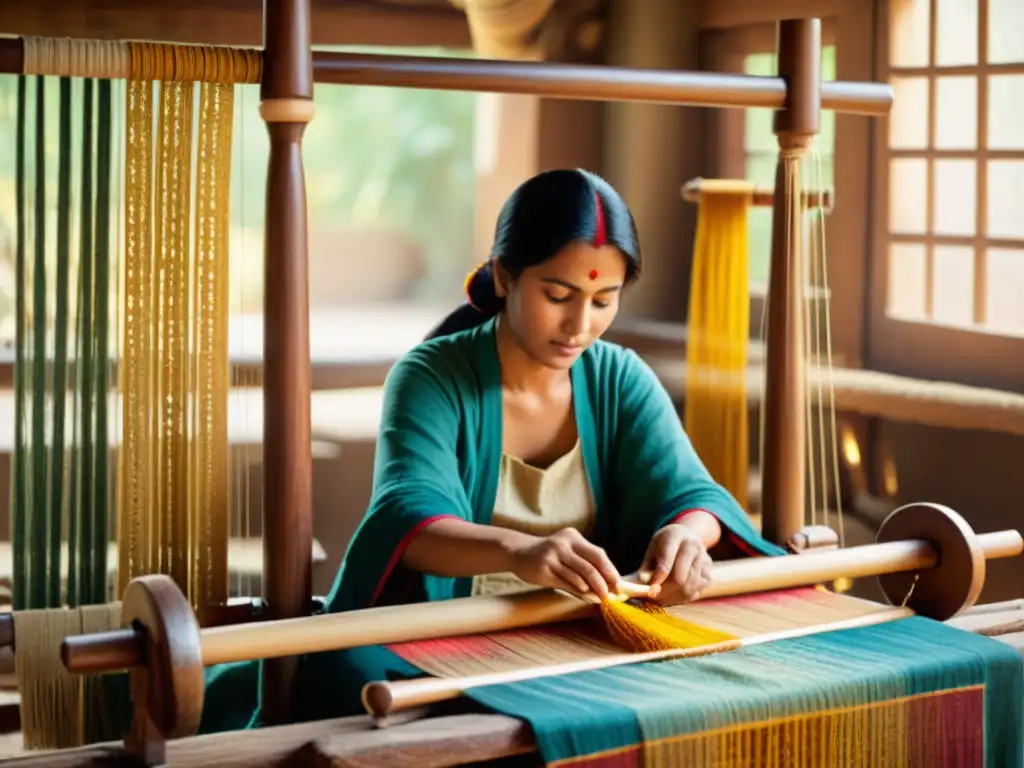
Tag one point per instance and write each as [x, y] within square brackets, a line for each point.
[923, 349]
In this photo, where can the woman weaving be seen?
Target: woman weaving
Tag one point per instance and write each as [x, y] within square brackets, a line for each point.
[516, 448]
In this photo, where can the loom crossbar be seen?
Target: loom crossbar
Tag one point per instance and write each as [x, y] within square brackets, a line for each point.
[562, 81]
[590, 82]
[109, 651]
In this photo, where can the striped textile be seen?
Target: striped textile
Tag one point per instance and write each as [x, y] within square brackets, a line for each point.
[911, 692]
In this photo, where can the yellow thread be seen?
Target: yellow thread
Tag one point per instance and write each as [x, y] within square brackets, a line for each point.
[174, 479]
[58, 709]
[194, 64]
[913, 585]
[834, 735]
[716, 415]
[651, 628]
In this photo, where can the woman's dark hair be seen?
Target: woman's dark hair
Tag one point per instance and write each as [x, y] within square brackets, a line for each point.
[542, 216]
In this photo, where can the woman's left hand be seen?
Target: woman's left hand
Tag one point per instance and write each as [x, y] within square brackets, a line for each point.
[678, 559]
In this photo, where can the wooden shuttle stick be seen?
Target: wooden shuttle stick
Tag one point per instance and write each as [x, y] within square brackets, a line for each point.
[122, 649]
[759, 196]
[382, 698]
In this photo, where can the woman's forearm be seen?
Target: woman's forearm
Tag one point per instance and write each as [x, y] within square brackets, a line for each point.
[458, 549]
[704, 525]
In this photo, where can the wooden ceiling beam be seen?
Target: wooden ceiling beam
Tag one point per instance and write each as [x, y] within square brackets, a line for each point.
[237, 22]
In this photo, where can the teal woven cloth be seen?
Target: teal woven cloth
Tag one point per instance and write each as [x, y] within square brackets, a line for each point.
[909, 692]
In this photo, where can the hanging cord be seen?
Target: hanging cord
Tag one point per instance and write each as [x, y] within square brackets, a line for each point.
[106, 60]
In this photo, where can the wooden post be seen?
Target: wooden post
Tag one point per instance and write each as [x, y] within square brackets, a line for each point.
[286, 107]
[784, 464]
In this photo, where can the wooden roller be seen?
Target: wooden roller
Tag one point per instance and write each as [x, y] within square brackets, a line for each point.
[383, 698]
[927, 545]
[760, 196]
[924, 546]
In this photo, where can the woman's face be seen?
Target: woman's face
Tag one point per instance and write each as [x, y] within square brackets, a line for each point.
[559, 308]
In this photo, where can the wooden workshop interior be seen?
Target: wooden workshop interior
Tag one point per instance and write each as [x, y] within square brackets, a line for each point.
[363, 189]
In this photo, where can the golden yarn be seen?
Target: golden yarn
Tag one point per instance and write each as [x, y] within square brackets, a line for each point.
[174, 478]
[716, 416]
[648, 626]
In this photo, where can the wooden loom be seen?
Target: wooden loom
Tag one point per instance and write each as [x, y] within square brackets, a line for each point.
[194, 516]
[166, 638]
[927, 559]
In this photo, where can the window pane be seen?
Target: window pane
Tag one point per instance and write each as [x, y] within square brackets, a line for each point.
[908, 32]
[956, 112]
[826, 141]
[1005, 193]
[760, 240]
[759, 64]
[953, 285]
[758, 134]
[1004, 290]
[1006, 109]
[828, 62]
[954, 201]
[957, 32]
[760, 170]
[908, 122]
[908, 196]
[906, 281]
[1005, 31]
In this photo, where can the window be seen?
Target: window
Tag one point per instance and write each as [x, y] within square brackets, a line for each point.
[761, 151]
[950, 249]
[391, 187]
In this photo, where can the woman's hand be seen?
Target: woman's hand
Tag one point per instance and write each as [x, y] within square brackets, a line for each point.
[565, 560]
[677, 555]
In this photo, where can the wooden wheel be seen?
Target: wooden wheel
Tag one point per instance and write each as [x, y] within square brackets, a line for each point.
[167, 692]
[955, 582]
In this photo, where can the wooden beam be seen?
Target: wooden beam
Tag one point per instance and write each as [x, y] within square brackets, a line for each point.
[725, 14]
[236, 22]
[286, 105]
[436, 742]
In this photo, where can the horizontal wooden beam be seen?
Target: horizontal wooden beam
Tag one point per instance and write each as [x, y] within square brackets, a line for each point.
[726, 14]
[870, 393]
[410, 739]
[236, 22]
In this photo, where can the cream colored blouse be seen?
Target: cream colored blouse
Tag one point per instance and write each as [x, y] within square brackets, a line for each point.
[538, 502]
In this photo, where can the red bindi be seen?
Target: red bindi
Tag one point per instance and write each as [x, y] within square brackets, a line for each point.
[593, 274]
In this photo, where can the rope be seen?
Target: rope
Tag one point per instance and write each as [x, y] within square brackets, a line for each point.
[66, 57]
[106, 60]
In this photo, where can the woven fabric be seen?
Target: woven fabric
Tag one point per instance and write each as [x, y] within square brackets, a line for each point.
[909, 692]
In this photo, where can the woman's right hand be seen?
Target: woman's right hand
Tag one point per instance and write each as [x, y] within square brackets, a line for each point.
[565, 560]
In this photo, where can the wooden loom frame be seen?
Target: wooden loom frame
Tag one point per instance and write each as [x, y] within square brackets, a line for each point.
[290, 68]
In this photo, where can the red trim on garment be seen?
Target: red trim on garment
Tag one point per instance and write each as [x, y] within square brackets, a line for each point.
[740, 543]
[396, 557]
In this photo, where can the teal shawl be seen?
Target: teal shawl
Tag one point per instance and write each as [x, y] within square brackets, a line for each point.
[438, 454]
